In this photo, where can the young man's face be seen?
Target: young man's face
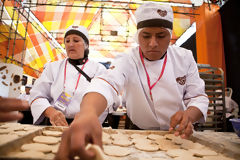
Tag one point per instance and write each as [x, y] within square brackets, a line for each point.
[154, 42]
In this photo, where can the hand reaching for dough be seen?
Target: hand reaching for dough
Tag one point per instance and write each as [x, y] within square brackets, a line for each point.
[8, 106]
[84, 129]
[184, 120]
[184, 123]
[56, 117]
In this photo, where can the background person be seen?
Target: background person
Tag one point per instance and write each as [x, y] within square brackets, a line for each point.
[26, 95]
[58, 92]
[161, 84]
[27, 119]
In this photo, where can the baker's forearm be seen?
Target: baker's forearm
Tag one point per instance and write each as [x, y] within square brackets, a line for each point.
[94, 103]
[194, 113]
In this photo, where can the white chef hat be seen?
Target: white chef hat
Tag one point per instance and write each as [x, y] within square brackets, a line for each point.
[82, 32]
[154, 15]
[79, 30]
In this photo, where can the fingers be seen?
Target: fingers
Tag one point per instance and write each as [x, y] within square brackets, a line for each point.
[188, 131]
[58, 119]
[175, 120]
[10, 116]
[69, 147]
[185, 128]
[63, 151]
[59, 123]
[79, 140]
[183, 124]
[13, 104]
[97, 139]
[83, 130]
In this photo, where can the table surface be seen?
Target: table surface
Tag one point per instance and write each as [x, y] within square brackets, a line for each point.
[227, 143]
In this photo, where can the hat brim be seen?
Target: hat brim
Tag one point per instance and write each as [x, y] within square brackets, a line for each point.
[155, 23]
[77, 33]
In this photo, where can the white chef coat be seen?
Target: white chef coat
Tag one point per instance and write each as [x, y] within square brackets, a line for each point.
[168, 95]
[50, 85]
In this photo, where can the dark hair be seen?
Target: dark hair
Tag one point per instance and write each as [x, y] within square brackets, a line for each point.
[77, 33]
[155, 23]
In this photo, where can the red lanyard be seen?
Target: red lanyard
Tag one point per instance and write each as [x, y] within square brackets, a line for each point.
[148, 78]
[65, 69]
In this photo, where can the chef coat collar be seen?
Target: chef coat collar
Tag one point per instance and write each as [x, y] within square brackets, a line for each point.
[78, 61]
[159, 59]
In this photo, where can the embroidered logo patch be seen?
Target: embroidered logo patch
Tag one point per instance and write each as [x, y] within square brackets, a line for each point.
[162, 13]
[181, 80]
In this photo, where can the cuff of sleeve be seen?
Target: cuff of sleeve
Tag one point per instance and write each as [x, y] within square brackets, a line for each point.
[203, 108]
[37, 108]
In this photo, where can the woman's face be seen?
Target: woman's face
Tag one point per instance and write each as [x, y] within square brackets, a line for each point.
[154, 42]
[75, 46]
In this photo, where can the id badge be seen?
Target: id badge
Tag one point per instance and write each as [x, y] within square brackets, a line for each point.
[63, 101]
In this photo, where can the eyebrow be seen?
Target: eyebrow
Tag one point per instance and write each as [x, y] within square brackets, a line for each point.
[74, 37]
[162, 32]
[146, 33]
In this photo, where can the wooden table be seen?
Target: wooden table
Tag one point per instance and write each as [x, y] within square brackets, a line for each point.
[227, 143]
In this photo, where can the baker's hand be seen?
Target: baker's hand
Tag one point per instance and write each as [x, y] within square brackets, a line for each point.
[8, 106]
[56, 117]
[83, 130]
[184, 122]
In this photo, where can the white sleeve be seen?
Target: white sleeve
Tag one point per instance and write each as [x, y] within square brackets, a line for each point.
[195, 89]
[111, 83]
[101, 69]
[40, 95]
